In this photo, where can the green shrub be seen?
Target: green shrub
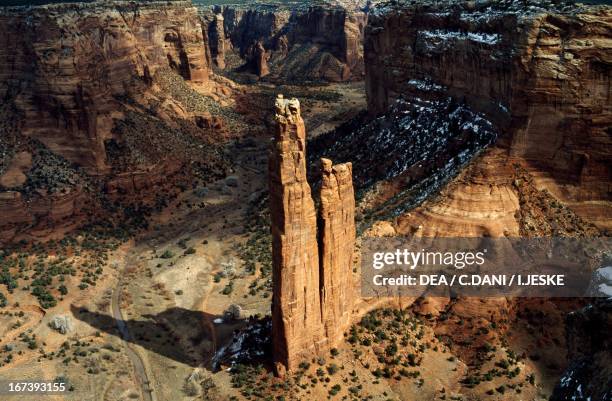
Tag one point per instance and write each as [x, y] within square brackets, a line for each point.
[332, 369]
[168, 254]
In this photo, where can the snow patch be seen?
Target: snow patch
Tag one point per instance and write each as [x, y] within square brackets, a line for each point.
[480, 37]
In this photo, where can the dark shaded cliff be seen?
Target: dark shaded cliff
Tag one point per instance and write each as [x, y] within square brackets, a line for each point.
[588, 375]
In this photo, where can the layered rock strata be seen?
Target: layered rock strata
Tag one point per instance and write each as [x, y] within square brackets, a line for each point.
[312, 269]
[296, 308]
[336, 244]
[543, 75]
[65, 66]
[97, 93]
[323, 42]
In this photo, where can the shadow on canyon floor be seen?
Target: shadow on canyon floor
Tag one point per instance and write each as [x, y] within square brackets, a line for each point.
[185, 336]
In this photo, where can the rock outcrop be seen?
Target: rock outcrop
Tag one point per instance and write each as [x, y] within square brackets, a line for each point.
[99, 99]
[259, 58]
[296, 308]
[323, 42]
[336, 245]
[542, 75]
[66, 64]
[216, 39]
[312, 269]
[589, 373]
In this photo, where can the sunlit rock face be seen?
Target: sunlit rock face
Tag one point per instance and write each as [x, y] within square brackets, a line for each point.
[336, 243]
[542, 75]
[312, 266]
[296, 308]
[65, 65]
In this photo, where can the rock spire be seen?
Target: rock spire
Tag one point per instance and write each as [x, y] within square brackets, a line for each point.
[312, 268]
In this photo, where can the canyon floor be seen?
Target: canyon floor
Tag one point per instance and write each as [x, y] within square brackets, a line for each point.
[150, 327]
[153, 320]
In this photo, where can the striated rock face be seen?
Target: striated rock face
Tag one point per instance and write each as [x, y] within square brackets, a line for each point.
[296, 309]
[304, 42]
[481, 201]
[65, 65]
[100, 100]
[337, 241]
[543, 76]
[313, 295]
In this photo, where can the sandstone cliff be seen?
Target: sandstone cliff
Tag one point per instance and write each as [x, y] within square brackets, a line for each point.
[542, 75]
[313, 293]
[99, 98]
[66, 64]
[323, 42]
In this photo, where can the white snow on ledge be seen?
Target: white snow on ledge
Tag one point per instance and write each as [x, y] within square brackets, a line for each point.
[480, 37]
[425, 85]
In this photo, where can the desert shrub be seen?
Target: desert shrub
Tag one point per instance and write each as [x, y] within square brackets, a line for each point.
[228, 289]
[190, 388]
[168, 254]
[335, 389]
[332, 369]
[45, 298]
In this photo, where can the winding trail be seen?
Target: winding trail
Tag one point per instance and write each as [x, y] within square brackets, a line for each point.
[135, 358]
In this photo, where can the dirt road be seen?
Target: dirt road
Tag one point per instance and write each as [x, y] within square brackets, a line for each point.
[139, 366]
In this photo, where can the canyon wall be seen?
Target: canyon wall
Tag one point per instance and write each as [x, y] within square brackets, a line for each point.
[543, 76]
[65, 65]
[305, 42]
[312, 266]
[69, 73]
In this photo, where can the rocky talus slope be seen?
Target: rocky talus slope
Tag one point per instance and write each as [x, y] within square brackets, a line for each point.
[312, 266]
[303, 42]
[98, 98]
[64, 66]
[540, 72]
[406, 154]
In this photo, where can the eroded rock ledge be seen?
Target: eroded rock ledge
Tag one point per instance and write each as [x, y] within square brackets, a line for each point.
[65, 65]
